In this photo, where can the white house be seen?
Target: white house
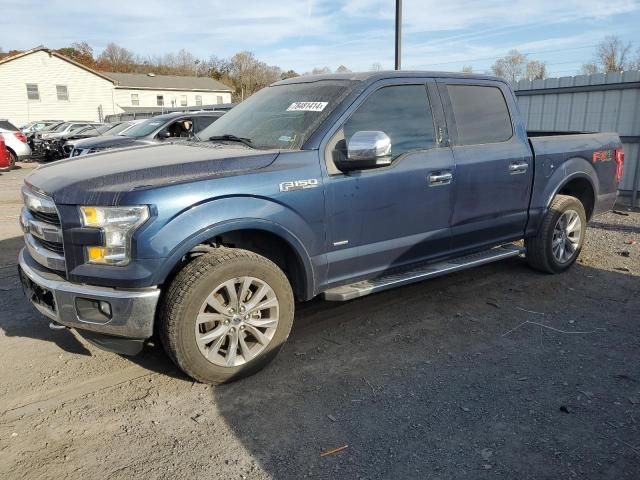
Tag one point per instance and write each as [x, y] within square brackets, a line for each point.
[41, 84]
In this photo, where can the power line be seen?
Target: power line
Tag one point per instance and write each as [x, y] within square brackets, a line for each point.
[470, 60]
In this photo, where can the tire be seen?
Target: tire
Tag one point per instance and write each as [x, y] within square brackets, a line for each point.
[13, 158]
[545, 250]
[208, 282]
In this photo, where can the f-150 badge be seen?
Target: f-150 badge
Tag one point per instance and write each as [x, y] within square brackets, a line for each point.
[298, 185]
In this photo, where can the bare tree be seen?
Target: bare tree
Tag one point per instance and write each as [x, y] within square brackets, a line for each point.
[467, 69]
[116, 59]
[320, 71]
[612, 54]
[289, 74]
[536, 70]
[342, 69]
[590, 69]
[249, 75]
[511, 67]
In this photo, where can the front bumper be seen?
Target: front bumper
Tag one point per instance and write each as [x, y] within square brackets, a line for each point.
[132, 311]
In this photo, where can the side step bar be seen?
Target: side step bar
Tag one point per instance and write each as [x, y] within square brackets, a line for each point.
[417, 274]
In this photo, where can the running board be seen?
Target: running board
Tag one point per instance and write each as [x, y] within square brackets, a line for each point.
[417, 274]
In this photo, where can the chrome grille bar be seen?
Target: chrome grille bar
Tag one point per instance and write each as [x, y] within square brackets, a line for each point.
[42, 231]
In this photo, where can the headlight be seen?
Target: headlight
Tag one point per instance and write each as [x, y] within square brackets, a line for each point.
[118, 225]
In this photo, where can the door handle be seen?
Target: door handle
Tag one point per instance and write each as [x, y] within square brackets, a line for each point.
[518, 167]
[439, 178]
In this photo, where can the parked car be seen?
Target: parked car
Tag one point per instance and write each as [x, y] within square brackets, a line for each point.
[15, 141]
[108, 130]
[31, 136]
[36, 126]
[340, 185]
[5, 159]
[150, 131]
[42, 139]
[61, 145]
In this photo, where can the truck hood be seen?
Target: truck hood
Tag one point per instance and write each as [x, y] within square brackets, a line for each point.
[111, 141]
[107, 178]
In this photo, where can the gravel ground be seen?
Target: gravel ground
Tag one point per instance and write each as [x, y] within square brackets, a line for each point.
[497, 372]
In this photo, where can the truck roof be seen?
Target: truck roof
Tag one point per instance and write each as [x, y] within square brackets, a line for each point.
[370, 77]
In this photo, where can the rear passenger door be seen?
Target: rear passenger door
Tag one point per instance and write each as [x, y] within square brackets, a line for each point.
[493, 171]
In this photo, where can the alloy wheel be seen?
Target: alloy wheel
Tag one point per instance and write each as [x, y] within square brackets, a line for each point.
[237, 321]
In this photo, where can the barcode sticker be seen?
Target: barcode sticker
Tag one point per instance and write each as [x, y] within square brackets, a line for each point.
[307, 106]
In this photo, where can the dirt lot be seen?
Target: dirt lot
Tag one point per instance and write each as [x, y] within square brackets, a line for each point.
[498, 372]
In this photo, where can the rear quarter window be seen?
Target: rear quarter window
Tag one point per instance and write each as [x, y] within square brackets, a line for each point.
[6, 125]
[480, 113]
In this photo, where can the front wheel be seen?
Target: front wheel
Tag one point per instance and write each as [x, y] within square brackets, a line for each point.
[226, 315]
[558, 243]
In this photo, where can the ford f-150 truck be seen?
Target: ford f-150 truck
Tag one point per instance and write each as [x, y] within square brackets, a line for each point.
[338, 185]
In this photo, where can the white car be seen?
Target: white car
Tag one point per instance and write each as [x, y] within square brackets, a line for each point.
[16, 142]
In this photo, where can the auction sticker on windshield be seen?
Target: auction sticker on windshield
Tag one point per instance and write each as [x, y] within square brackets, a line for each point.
[307, 106]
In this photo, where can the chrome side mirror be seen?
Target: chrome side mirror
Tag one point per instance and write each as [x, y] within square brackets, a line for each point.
[369, 145]
[366, 149]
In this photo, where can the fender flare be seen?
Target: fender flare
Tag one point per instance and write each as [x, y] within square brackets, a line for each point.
[571, 169]
[220, 228]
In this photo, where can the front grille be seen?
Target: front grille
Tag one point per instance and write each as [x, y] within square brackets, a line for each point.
[46, 217]
[41, 225]
[53, 246]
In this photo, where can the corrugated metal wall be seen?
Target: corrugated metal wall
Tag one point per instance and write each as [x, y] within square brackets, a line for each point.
[596, 103]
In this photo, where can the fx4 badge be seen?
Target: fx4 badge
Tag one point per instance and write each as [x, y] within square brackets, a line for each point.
[298, 185]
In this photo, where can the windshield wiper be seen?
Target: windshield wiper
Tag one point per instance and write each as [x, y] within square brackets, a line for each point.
[233, 138]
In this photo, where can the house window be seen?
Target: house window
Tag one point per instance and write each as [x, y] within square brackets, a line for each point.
[198, 100]
[62, 92]
[219, 99]
[183, 100]
[160, 100]
[135, 100]
[32, 91]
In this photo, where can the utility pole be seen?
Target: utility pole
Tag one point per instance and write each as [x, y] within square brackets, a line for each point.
[398, 34]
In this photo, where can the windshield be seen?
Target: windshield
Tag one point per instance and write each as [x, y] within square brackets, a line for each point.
[50, 128]
[145, 128]
[116, 129]
[61, 127]
[281, 116]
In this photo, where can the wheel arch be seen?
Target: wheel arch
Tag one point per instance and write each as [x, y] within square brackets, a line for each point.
[582, 188]
[263, 237]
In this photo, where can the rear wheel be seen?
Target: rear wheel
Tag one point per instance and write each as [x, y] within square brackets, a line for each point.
[560, 238]
[226, 315]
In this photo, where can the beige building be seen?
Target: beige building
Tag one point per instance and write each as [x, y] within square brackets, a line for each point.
[41, 84]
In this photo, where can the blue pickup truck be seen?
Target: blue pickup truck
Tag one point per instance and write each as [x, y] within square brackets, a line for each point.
[337, 185]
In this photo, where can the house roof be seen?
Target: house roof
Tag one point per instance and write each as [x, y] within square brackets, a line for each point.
[166, 82]
[138, 80]
[54, 54]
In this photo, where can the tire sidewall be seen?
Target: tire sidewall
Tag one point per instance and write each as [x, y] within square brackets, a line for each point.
[187, 348]
[572, 204]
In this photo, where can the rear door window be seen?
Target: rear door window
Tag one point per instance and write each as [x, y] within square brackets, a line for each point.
[202, 122]
[480, 113]
[400, 111]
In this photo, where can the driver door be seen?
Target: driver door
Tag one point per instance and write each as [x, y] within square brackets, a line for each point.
[395, 215]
